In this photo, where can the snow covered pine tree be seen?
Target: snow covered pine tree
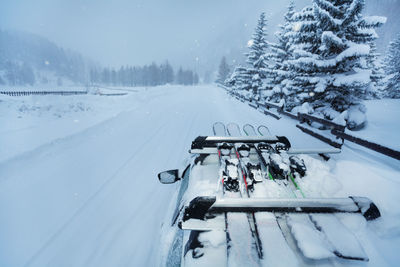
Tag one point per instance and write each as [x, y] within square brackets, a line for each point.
[330, 67]
[223, 71]
[255, 58]
[377, 73]
[277, 70]
[392, 69]
[302, 46]
[239, 80]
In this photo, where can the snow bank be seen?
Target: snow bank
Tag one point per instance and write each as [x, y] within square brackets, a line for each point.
[383, 126]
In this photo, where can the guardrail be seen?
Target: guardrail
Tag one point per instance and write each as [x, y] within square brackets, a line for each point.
[336, 130]
[26, 93]
[331, 125]
[320, 135]
[113, 94]
[373, 146]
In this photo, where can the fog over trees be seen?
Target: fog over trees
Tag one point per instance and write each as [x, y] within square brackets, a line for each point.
[28, 59]
[177, 32]
[149, 75]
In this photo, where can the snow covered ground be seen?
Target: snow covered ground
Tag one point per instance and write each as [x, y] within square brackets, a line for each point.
[78, 183]
[383, 123]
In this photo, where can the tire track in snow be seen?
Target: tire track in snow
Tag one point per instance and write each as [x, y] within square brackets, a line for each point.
[116, 232]
[12, 162]
[90, 199]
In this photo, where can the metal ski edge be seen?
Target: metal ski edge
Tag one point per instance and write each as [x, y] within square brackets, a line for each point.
[206, 207]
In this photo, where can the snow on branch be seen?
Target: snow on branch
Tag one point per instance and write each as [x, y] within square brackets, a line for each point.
[372, 21]
[361, 77]
[329, 37]
[355, 50]
[371, 33]
[327, 5]
[325, 14]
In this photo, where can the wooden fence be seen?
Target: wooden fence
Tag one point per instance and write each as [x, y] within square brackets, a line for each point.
[26, 93]
[336, 131]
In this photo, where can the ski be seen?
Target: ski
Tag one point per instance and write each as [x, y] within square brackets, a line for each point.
[268, 150]
[235, 129]
[224, 151]
[259, 183]
[281, 166]
[230, 183]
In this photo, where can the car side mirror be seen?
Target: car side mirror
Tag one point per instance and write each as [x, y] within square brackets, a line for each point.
[169, 177]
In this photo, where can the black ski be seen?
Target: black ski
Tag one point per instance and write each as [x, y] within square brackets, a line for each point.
[233, 128]
[224, 150]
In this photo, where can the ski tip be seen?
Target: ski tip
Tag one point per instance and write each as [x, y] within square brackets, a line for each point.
[263, 130]
[233, 129]
[198, 207]
[249, 130]
[367, 208]
[219, 128]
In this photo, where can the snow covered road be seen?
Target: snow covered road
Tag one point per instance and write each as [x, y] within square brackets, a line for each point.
[92, 198]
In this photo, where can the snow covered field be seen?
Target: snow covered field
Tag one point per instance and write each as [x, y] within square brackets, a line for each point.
[78, 183]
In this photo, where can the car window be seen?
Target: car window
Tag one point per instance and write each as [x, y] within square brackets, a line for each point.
[182, 190]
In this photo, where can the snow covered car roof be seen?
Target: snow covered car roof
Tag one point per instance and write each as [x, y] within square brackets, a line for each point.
[263, 221]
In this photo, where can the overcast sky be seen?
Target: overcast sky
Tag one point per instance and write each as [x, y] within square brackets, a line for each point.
[115, 32]
[136, 32]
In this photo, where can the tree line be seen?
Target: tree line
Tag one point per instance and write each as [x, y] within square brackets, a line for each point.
[324, 62]
[148, 75]
[27, 59]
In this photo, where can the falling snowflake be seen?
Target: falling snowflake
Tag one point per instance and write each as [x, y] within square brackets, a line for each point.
[297, 26]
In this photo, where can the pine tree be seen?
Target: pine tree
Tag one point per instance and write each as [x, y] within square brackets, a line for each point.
[94, 76]
[179, 76]
[154, 74]
[392, 69]
[331, 62]
[239, 80]
[345, 39]
[377, 73]
[113, 77]
[195, 79]
[256, 56]
[223, 71]
[277, 70]
[106, 76]
[302, 45]
[121, 76]
[166, 73]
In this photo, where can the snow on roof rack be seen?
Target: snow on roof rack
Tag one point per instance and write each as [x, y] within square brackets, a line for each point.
[199, 207]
